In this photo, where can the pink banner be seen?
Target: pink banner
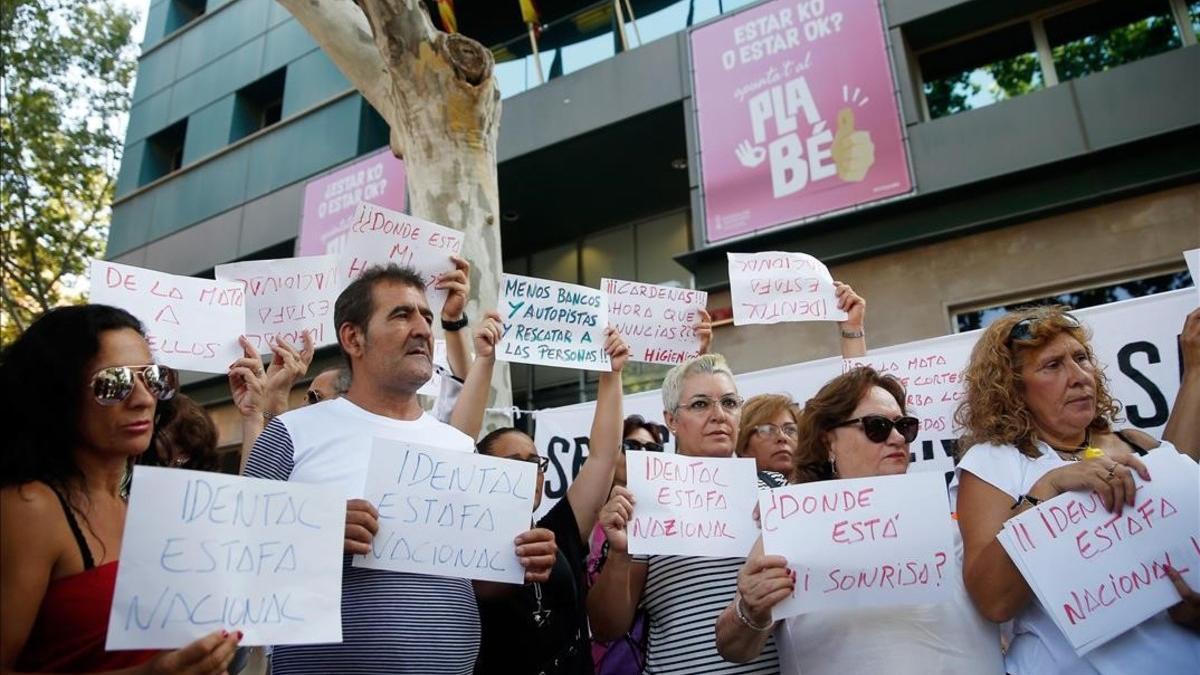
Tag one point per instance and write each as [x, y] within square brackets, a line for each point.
[330, 200]
[797, 114]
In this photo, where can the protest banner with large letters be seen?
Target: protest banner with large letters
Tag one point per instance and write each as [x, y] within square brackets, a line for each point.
[190, 323]
[447, 512]
[699, 506]
[549, 323]
[379, 236]
[796, 113]
[1097, 573]
[862, 542]
[1135, 342]
[206, 551]
[778, 286]
[330, 200]
[658, 322]
[286, 298]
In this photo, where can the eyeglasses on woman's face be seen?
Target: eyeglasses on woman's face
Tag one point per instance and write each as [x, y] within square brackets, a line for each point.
[774, 431]
[114, 384]
[702, 405]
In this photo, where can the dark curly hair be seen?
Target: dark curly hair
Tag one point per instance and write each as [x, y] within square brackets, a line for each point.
[42, 375]
[183, 429]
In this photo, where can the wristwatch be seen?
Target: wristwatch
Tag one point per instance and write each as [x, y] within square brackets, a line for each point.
[453, 326]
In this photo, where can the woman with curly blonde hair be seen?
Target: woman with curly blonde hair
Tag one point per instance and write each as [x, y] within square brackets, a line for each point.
[1039, 421]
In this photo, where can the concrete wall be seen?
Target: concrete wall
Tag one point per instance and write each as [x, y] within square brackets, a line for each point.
[910, 293]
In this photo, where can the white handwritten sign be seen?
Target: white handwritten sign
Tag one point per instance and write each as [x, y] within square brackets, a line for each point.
[379, 236]
[207, 551]
[1098, 574]
[190, 323]
[658, 322]
[287, 297]
[550, 323]
[699, 506]
[447, 512]
[433, 387]
[1193, 262]
[861, 542]
[779, 286]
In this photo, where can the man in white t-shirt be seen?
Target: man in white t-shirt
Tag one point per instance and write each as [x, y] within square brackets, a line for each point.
[392, 622]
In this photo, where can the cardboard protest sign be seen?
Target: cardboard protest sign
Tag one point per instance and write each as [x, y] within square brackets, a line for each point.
[1098, 574]
[447, 512]
[699, 506]
[378, 236]
[861, 542]
[190, 323]
[658, 322]
[1193, 262]
[796, 114]
[779, 286]
[549, 323]
[286, 298]
[206, 551]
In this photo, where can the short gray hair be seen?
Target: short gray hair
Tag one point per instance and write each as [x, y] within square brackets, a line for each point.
[705, 364]
[341, 383]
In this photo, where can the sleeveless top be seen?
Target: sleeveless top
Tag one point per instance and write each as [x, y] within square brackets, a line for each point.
[72, 623]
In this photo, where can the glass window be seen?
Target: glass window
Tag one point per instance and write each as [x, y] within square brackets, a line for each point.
[163, 153]
[980, 71]
[1106, 34]
[1088, 297]
[658, 242]
[1194, 11]
[559, 264]
[608, 254]
[182, 12]
[258, 105]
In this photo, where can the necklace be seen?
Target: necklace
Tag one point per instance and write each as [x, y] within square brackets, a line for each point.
[540, 615]
[1082, 451]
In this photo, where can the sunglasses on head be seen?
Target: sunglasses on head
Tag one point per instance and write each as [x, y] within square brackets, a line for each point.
[877, 427]
[1023, 329]
[112, 385]
[313, 396]
[633, 444]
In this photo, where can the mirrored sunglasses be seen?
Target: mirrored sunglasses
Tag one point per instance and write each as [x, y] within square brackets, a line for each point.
[112, 385]
[1023, 329]
[877, 427]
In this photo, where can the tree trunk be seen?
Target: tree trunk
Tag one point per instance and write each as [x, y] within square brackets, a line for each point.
[438, 96]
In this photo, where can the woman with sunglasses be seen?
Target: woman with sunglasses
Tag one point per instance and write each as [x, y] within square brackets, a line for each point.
[80, 391]
[542, 627]
[1039, 419]
[855, 427]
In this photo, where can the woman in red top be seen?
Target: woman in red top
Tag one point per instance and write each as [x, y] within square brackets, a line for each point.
[80, 389]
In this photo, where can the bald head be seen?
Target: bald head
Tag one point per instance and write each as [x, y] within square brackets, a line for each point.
[330, 384]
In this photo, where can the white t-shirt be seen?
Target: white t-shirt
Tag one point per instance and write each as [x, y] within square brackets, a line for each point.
[332, 441]
[1038, 647]
[949, 638]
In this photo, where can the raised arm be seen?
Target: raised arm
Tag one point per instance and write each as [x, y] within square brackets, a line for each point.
[744, 626]
[613, 599]
[1183, 426]
[589, 490]
[458, 284]
[853, 338]
[473, 399]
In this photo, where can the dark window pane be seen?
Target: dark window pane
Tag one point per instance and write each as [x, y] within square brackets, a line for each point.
[980, 71]
[1106, 34]
[1089, 297]
[163, 153]
[258, 105]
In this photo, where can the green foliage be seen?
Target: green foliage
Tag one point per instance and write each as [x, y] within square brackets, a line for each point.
[67, 71]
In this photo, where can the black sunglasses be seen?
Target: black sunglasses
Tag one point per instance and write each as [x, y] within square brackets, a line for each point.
[313, 396]
[543, 463]
[878, 428]
[112, 385]
[633, 444]
[1023, 329]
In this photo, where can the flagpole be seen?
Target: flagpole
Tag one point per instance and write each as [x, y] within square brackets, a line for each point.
[633, 20]
[537, 59]
[621, 25]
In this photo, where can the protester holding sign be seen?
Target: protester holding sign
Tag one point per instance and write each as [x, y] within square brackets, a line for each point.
[392, 621]
[81, 390]
[1039, 421]
[1183, 427]
[856, 426]
[543, 628]
[682, 595]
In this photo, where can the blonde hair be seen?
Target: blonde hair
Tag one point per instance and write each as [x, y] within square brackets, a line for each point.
[762, 409]
[994, 410]
[705, 364]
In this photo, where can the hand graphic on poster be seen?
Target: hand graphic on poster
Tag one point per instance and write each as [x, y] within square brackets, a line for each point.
[749, 155]
[853, 151]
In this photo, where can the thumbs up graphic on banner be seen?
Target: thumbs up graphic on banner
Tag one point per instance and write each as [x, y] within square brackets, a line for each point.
[853, 151]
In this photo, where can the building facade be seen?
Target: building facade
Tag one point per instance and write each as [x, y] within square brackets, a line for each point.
[1054, 149]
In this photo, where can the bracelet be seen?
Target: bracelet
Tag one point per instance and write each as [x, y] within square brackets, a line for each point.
[741, 616]
[851, 334]
[1025, 499]
[268, 416]
[456, 325]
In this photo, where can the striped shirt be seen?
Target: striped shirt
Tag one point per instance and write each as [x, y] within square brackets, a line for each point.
[683, 597]
[392, 622]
